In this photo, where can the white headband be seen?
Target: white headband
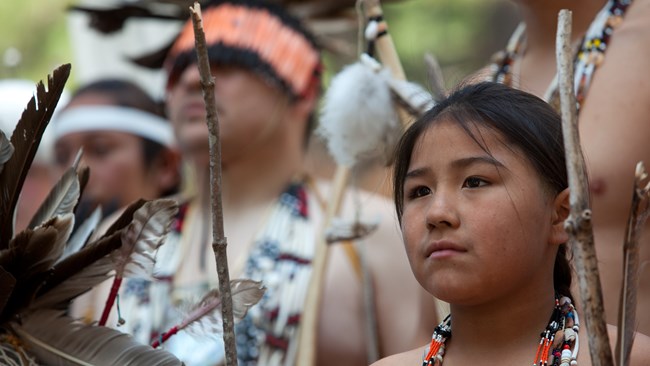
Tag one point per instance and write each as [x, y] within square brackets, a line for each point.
[111, 118]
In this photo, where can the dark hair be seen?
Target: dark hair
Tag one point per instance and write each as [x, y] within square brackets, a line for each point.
[124, 93]
[522, 119]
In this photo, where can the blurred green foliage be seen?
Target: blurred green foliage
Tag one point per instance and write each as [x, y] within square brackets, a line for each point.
[461, 33]
[37, 29]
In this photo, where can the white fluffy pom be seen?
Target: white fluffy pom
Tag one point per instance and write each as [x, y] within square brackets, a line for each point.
[358, 118]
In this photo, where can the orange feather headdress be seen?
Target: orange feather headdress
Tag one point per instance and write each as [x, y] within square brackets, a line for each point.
[260, 37]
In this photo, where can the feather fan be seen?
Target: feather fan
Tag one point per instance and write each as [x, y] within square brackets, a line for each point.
[59, 340]
[140, 239]
[36, 276]
[358, 118]
[61, 200]
[204, 318]
[6, 150]
[25, 140]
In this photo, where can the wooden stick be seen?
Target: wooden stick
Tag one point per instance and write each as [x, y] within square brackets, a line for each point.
[579, 224]
[384, 43]
[219, 243]
[308, 336]
[639, 211]
[389, 57]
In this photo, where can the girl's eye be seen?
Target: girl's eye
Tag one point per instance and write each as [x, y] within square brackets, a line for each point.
[419, 191]
[474, 182]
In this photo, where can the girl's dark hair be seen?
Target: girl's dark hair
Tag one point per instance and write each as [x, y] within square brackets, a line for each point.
[522, 119]
[124, 93]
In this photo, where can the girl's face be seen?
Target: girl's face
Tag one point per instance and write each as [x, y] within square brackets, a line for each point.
[476, 226]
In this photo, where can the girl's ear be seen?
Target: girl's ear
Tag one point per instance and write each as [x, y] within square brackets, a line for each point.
[561, 210]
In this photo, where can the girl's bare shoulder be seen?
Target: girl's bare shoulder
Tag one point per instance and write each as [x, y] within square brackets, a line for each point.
[412, 357]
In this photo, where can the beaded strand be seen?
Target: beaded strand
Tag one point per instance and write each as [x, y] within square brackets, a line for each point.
[558, 345]
[589, 56]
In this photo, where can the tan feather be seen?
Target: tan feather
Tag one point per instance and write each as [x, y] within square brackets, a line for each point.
[25, 139]
[144, 235]
[61, 200]
[245, 294]
[140, 240]
[6, 150]
[204, 319]
[59, 340]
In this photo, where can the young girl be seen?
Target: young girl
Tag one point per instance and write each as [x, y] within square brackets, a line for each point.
[481, 195]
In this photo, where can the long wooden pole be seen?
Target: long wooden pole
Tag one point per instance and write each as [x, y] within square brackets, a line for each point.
[579, 224]
[308, 336]
[219, 243]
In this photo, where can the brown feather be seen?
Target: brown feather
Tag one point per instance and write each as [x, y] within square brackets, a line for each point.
[62, 199]
[125, 218]
[63, 226]
[77, 263]
[7, 284]
[59, 340]
[6, 150]
[25, 139]
[42, 247]
[84, 174]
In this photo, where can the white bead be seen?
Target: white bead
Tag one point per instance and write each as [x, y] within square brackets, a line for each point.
[569, 335]
[566, 355]
[372, 30]
[574, 363]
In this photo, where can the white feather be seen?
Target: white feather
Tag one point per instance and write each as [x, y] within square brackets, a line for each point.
[358, 118]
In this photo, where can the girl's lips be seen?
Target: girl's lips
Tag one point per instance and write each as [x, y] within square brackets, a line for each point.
[442, 249]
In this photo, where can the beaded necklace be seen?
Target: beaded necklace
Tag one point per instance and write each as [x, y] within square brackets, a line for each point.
[590, 55]
[558, 344]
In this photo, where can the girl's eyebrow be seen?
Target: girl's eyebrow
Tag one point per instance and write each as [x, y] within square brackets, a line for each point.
[473, 160]
[457, 164]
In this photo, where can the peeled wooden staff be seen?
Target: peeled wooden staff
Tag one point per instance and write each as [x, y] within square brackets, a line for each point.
[309, 321]
[579, 224]
[639, 211]
[219, 243]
